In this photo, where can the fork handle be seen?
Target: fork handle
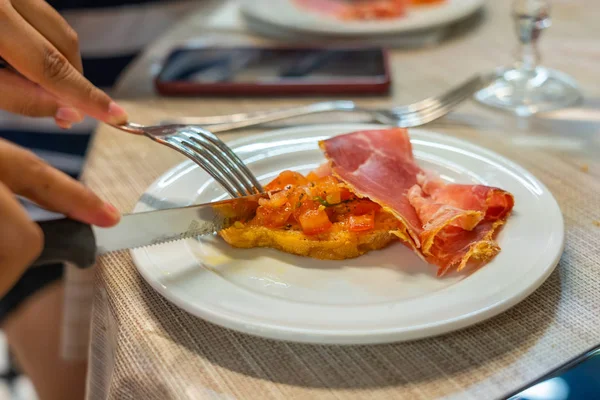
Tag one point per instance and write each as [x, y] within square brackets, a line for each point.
[243, 120]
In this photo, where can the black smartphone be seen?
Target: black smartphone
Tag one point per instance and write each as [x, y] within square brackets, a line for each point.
[274, 71]
[577, 379]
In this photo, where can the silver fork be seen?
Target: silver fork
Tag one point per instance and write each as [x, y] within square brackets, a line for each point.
[206, 150]
[407, 116]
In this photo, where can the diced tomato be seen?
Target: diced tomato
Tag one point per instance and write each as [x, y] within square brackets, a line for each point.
[297, 197]
[362, 206]
[345, 194]
[304, 206]
[315, 203]
[314, 221]
[327, 181]
[359, 223]
[272, 217]
[331, 214]
[276, 200]
[327, 189]
[285, 179]
[312, 177]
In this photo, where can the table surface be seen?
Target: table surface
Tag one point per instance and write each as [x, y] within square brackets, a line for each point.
[144, 347]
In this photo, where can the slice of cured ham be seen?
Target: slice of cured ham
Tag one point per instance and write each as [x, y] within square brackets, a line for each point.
[495, 203]
[446, 224]
[459, 221]
[454, 247]
[379, 164]
[437, 217]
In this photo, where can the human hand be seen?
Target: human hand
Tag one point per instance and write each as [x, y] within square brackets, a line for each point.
[47, 80]
[21, 240]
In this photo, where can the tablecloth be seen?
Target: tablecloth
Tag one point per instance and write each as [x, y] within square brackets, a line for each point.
[143, 347]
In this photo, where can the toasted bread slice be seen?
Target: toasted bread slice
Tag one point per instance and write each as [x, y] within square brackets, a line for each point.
[336, 244]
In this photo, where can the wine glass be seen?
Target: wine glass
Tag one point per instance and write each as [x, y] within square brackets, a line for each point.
[527, 88]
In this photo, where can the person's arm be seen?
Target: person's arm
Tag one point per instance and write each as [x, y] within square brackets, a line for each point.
[34, 329]
[38, 43]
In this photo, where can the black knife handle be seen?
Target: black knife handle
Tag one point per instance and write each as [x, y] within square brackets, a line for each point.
[67, 240]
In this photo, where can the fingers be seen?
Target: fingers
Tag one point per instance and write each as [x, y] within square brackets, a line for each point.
[66, 116]
[21, 96]
[47, 21]
[28, 176]
[21, 240]
[38, 60]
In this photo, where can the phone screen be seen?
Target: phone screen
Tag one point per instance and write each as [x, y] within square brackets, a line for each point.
[271, 65]
[577, 380]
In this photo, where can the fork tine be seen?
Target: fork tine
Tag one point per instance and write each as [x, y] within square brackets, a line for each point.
[232, 156]
[180, 145]
[434, 111]
[458, 94]
[424, 117]
[227, 163]
[224, 171]
[216, 160]
[426, 104]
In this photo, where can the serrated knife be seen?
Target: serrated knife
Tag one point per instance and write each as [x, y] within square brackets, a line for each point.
[67, 240]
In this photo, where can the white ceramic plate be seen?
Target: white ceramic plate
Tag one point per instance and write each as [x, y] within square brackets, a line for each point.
[384, 296]
[287, 15]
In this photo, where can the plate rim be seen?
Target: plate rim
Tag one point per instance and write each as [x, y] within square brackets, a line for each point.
[355, 337]
[344, 30]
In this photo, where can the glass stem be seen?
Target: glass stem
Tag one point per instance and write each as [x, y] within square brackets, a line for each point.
[531, 17]
[529, 57]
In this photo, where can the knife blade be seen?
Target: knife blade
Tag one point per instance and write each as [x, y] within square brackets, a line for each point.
[67, 240]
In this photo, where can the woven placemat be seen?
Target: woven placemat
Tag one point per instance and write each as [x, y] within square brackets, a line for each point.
[145, 348]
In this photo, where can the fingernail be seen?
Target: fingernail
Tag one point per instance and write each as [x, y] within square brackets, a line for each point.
[110, 211]
[62, 123]
[117, 113]
[68, 114]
